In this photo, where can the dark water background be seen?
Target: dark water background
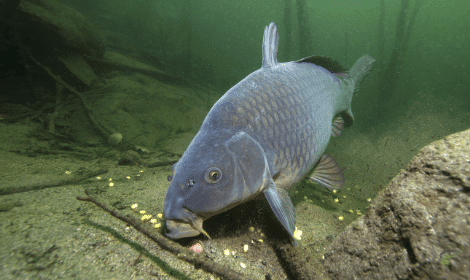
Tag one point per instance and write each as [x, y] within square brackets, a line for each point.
[219, 43]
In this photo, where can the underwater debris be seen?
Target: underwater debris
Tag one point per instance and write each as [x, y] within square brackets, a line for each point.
[145, 218]
[115, 139]
[245, 248]
[197, 248]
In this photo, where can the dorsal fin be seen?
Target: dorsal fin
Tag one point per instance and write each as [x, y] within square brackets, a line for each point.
[328, 63]
[270, 43]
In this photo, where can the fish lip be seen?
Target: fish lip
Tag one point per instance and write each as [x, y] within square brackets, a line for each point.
[177, 229]
[192, 226]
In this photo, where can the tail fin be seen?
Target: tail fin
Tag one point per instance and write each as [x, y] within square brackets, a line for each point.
[361, 68]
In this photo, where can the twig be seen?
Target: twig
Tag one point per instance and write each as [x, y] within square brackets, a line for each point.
[105, 132]
[174, 248]
[58, 94]
[47, 107]
[13, 189]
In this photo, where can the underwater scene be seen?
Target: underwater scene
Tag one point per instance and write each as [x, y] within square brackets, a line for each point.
[280, 139]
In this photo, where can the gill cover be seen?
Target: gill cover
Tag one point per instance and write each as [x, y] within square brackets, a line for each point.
[251, 166]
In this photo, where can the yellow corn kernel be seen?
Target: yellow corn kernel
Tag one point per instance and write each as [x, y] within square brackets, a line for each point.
[297, 234]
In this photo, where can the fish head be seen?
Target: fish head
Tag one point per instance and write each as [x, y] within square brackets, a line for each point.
[213, 175]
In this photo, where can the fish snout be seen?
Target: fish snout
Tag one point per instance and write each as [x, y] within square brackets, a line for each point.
[182, 223]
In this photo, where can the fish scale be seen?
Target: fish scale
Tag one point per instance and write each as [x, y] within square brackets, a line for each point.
[292, 120]
[262, 136]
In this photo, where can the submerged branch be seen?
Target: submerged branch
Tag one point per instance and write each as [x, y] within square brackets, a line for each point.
[18, 189]
[174, 248]
[105, 132]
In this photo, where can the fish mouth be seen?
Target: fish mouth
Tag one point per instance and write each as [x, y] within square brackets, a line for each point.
[177, 229]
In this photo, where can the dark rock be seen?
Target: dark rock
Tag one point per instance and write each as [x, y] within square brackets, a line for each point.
[418, 227]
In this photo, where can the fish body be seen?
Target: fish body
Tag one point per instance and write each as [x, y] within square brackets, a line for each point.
[262, 136]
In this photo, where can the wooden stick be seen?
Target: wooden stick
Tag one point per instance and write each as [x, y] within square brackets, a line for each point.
[18, 189]
[179, 251]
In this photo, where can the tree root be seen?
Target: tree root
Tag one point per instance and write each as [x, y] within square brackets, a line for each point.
[174, 248]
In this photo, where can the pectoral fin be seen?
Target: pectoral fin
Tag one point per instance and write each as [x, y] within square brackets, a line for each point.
[337, 126]
[282, 206]
[328, 173]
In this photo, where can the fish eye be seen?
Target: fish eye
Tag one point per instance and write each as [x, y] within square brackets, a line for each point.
[191, 183]
[213, 175]
[170, 178]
